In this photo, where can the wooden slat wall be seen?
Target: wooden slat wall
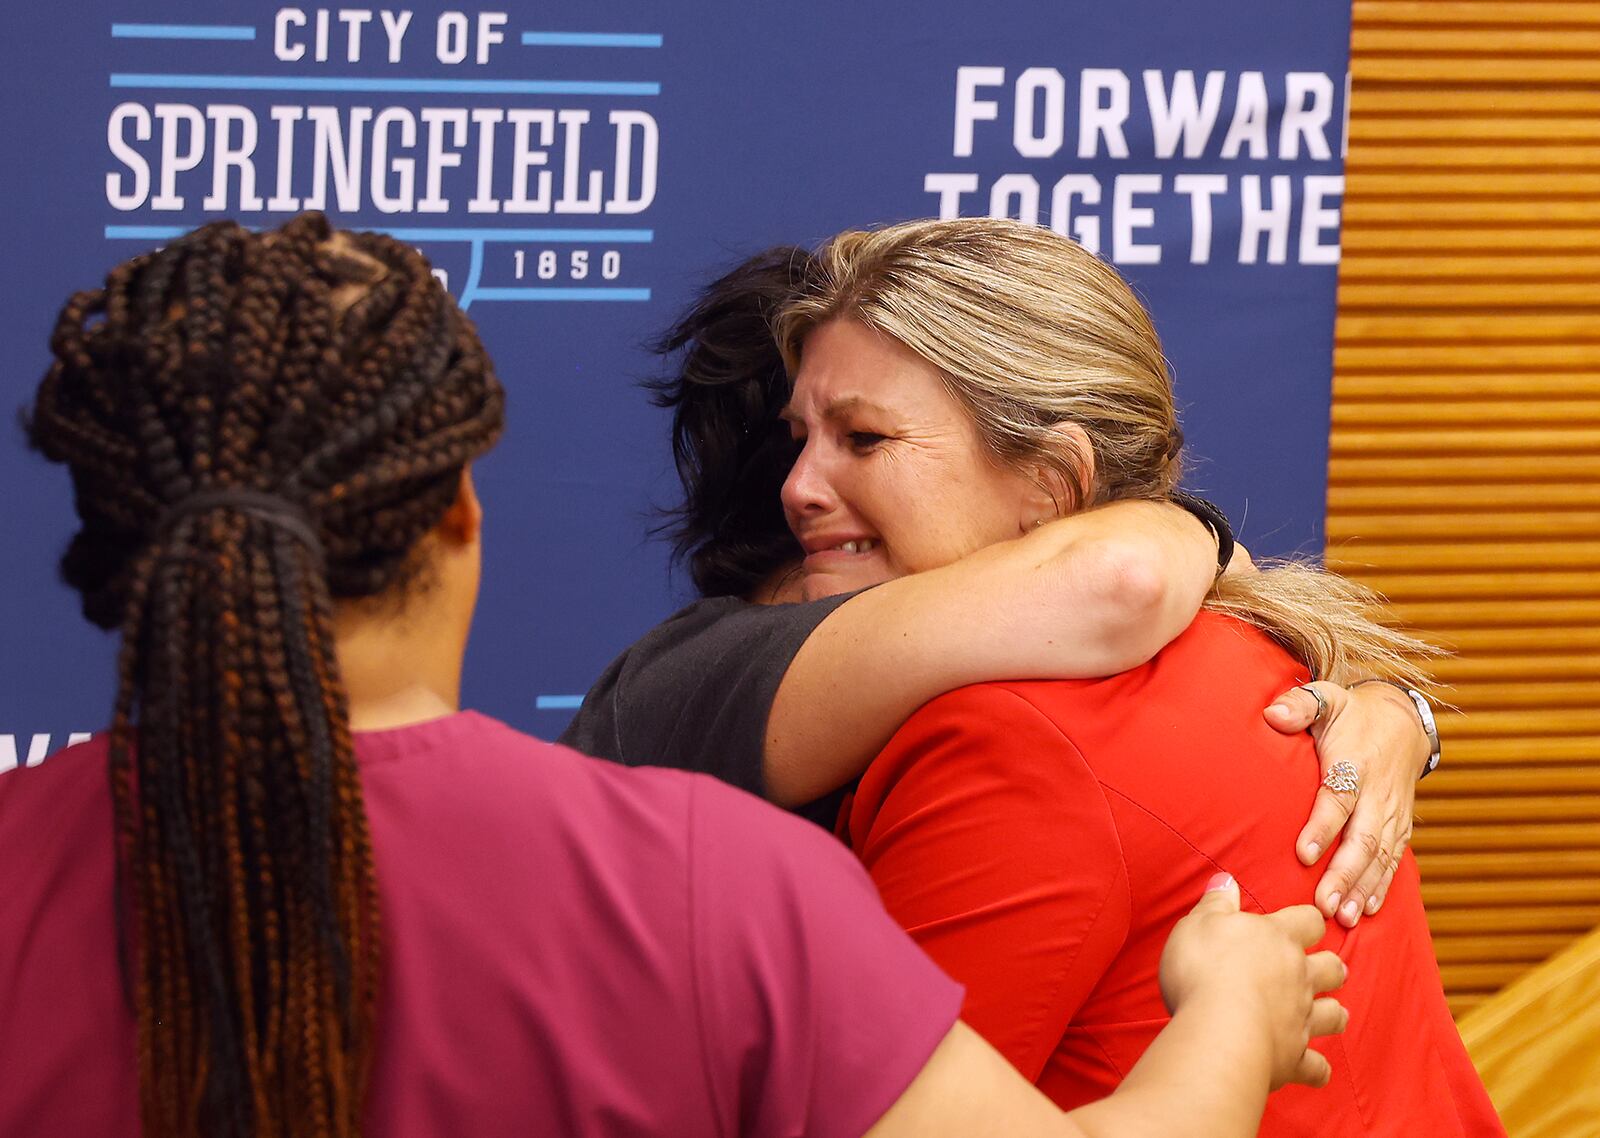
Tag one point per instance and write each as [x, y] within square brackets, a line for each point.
[1465, 470]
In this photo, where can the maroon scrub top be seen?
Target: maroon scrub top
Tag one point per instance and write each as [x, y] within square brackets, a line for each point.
[571, 947]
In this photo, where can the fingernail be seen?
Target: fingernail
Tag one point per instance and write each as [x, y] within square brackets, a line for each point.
[1219, 881]
[1352, 910]
[1372, 904]
[1333, 903]
[1313, 851]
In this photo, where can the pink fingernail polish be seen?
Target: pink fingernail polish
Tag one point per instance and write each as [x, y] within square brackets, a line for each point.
[1219, 881]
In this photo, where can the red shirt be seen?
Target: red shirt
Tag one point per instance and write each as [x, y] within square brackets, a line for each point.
[1040, 840]
[571, 947]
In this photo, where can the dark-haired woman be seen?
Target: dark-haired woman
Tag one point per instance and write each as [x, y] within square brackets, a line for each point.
[315, 898]
[792, 701]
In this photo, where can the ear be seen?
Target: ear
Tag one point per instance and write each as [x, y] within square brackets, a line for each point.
[463, 521]
[1053, 494]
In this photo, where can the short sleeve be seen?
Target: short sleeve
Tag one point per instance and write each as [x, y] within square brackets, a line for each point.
[696, 691]
[991, 842]
[816, 1010]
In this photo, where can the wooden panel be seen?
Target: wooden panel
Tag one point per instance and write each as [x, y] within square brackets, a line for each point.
[1509, 392]
[1504, 836]
[1465, 68]
[1372, 14]
[1464, 478]
[1505, 808]
[1527, 918]
[1483, 752]
[1480, 128]
[1485, 211]
[1537, 1044]
[1511, 38]
[1490, 468]
[1435, 186]
[1487, 948]
[1467, 357]
[1558, 265]
[1584, 239]
[1470, 326]
[1481, 496]
[1494, 585]
[1399, 413]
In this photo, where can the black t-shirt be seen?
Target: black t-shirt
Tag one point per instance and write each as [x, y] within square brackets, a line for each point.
[695, 692]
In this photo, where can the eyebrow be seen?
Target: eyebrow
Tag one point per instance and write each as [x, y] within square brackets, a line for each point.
[837, 409]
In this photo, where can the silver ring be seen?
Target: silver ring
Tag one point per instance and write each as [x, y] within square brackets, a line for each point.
[1343, 778]
[1322, 704]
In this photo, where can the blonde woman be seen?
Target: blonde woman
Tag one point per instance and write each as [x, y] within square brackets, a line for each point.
[958, 384]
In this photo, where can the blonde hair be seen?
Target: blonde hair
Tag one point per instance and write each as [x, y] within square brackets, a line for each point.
[1029, 331]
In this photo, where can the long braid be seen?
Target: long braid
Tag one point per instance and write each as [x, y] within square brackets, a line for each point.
[335, 374]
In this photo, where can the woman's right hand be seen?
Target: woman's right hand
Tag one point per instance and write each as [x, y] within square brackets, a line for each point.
[1255, 970]
[1241, 990]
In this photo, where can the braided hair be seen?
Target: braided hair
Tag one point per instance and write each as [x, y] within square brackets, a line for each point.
[333, 375]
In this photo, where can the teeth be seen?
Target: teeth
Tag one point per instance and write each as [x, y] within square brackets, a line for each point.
[861, 546]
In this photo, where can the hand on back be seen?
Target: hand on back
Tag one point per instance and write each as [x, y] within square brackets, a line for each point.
[1375, 730]
[1254, 969]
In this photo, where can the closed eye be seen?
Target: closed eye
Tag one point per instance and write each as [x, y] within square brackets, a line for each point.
[863, 441]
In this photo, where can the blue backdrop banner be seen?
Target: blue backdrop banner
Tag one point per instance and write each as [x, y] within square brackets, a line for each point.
[576, 170]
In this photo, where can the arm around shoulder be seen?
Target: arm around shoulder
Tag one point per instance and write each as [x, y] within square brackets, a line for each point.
[1089, 595]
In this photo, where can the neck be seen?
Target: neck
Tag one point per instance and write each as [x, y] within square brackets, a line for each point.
[782, 587]
[399, 668]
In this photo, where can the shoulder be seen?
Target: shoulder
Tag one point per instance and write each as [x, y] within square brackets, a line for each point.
[991, 715]
[475, 770]
[1216, 639]
[737, 833]
[1216, 666]
[707, 620]
[718, 624]
[49, 794]
[64, 800]
[998, 743]
[643, 674]
[489, 784]
[694, 691]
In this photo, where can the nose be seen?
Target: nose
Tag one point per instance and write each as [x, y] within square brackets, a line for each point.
[806, 491]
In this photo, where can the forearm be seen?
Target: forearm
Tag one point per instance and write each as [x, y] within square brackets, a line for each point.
[1091, 595]
[1209, 1067]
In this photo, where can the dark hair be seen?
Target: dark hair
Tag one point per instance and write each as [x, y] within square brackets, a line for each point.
[731, 449]
[255, 425]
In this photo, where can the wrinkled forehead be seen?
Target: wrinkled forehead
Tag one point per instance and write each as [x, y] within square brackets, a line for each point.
[849, 368]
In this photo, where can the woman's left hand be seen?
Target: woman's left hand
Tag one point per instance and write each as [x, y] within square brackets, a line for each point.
[1375, 729]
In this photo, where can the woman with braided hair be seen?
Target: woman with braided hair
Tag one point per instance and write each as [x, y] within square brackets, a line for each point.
[255, 426]
[315, 898]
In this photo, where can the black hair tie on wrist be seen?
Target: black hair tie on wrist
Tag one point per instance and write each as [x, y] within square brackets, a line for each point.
[1213, 519]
